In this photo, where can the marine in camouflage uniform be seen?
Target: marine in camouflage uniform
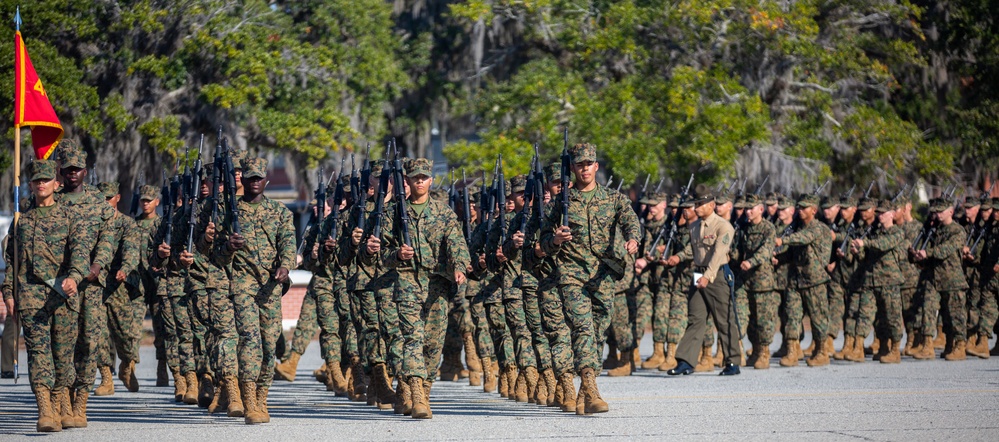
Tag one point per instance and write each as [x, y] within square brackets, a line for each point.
[259, 258]
[651, 300]
[492, 296]
[88, 203]
[942, 284]
[988, 266]
[477, 280]
[680, 276]
[842, 290]
[54, 245]
[436, 258]
[756, 279]
[910, 276]
[979, 301]
[590, 257]
[148, 224]
[790, 312]
[863, 215]
[879, 278]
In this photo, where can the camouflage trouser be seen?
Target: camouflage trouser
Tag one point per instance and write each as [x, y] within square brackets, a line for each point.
[516, 319]
[863, 307]
[307, 324]
[368, 330]
[221, 338]
[183, 333]
[92, 335]
[328, 321]
[677, 316]
[125, 333]
[837, 308]
[422, 326]
[455, 324]
[641, 307]
[988, 309]
[742, 311]
[247, 318]
[200, 319]
[532, 314]
[660, 299]
[500, 334]
[763, 316]
[50, 335]
[814, 300]
[555, 326]
[952, 307]
[436, 324]
[156, 313]
[793, 314]
[972, 298]
[268, 300]
[388, 324]
[345, 307]
[885, 304]
[483, 340]
[621, 325]
[852, 303]
[587, 313]
[911, 310]
[356, 324]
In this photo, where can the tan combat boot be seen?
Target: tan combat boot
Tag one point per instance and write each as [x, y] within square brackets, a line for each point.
[893, 355]
[980, 347]
[179, 386]
[925, 351]
[191, 394]
[161, 374]
[206, 390]
[334, 378]
[820, 355]
[359, 389]
[754, 355]
[670, 362]
[592, 400]
[126, 372]
[657, 358]
[421, 406]
[762, 354]
[856, 353]
[472, 360]
[874, 348]
[958, 353]
[503, 388]
[847, 345]
[235, 401]
[627, 364]
[286, 369]
[448, 371]
[488, 376]
[909, 341]
[404, 402]
[253, 414]
[80, 408]
[568, 390]
[47, 421]
[551, 384]
[320, 374]
[216, 403]
[262, 391]
[612, 358]
[719, 356]
[531, 379]
[790, 359]
[107, 383]
[64, 407]
[706, 363]
[940, 341]
[386, 396]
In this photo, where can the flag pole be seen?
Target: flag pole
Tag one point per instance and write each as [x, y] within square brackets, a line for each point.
[13, 240]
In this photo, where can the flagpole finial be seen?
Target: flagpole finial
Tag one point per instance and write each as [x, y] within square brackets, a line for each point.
[17, 19]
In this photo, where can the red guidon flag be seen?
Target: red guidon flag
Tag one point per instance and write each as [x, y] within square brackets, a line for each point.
[31, 106]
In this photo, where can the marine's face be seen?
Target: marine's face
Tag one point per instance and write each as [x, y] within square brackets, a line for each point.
[73, 176]
[254, 186]
[43, 188]
[585, 171]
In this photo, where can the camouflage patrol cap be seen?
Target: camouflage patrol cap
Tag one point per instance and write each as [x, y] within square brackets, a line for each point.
[808, 200]
[109, 189]
[939, 205]
[995, 203]
[41, 170]
[237, 158]
[702, 194]
[517, 184]
[771, 198]
[740, 202]
[867, 204]
[847, 201]
[419, 166]
[553, 171]
[784, 202]
[254, 167]
[345, 182]
[723, 198]
[654, 198]
[970, 202]
[751, 200]
[71, 155]
[829, 202]
[583, 152]
[886, 205]
[376, 169]
[149, 193]
[987, 204]
[673, 201]
[473, 194]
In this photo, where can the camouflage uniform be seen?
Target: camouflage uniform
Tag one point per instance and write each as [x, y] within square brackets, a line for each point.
[989, 282]
[842, 287]
[177, 321]
[54, 242]
[210, 285]
[508, 278]
[880, 277]
[124, 332]
[651, 300]
[911, 310]
[810, 247]
[758, 283]
[942, 283]
[148, 277]
[679, 281]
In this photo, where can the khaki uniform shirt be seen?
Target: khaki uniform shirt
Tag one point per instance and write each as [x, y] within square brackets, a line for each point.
[710, 240]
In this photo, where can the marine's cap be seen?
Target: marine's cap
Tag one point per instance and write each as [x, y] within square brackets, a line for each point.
[583, 152]
[553, 171]
[771, 198]
[752, 200]
[828, 202]
[42, 170]
[653, 198]
[939, 205]
[740, 202]
[808, 200]
[673, 201]
[847, 201]
[970, 202]
[109, 189]
[419, 166]
[886, 205]
[784, 202]
[237, 158]
[149, 193]
[254, 167]
[517, 184]
[473, 194]
[867, 204]
[723, 198]
[71, 155]
[986, 204]
[702, 194]
[376, 169]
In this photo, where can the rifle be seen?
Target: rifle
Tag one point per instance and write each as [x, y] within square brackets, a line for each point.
[167, 210]
[565, 170]
[660, 185]
[501, 200]
[400, 195]
[323, 232]
[361, 197]
[466, 210]
[383, 180]
[528, 196]
[975, 230]
[135, 209]
[218, 166]
[668, 230]
[229, 189]
[851, 229]
[195, 192]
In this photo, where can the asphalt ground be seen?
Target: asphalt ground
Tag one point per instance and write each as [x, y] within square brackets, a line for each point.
[911, 401]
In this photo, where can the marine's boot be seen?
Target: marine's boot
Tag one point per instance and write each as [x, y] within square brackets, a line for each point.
[856, 353]
[875, 346]
[940, 341]
[883, 349]
[47, 421]
[161, 374]
[233, 399]
[754, 354]
[762, 355]
[531, 377]
[657, 358]
[206, 390]
[191, 395]
[790, 358]
[449, 370]
[820, 355]
[64, 407]
[421, 406]
[958, 353]
[719, 356]
[627, 364]
[612, 359]
[503, 385]
[286, 369]
[216, 403]
[909, 341]
[917, 343]
[706, 362]
[472, 360]
[847, 345]
[981, 347]
[520, 390]
[357, 393]
[488, 376]
[568, 390]
[404, 402]
[252, 414]
[593, 402]
[262, 391]
[80, 408]
[551, 384]
[892, 355]
[334, 378]
[670, 362]
[107, 383]
[179, 386]
[386, 397]
[320, 374]
[126, 372]
[925, 351]
[810, 348]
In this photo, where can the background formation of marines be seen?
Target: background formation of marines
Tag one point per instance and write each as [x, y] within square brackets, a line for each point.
[525, 281]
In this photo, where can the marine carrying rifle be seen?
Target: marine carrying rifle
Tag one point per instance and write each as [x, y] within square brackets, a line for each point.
[565, 170]
[135, 209]
[195, 191]
[668, 230]
[851, 229]
[400, 195]
[383, 180]
[977, 232]
[323, 232]
[930, 226]
[501, 200]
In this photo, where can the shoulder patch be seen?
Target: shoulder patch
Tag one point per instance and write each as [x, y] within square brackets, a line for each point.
[727, 239]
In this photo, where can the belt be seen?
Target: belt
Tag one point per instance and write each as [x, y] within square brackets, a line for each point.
[700, 268]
